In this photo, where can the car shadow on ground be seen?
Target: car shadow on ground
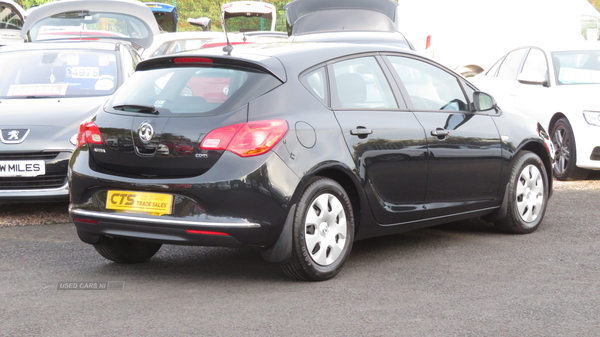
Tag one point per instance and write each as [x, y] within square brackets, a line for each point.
[189, 263]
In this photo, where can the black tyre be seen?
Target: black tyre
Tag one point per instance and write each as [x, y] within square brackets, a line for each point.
[126, 251]
[527, 195]
[566, 152]
[323, 232]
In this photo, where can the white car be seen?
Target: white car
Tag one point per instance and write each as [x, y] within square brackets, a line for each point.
[558, 86]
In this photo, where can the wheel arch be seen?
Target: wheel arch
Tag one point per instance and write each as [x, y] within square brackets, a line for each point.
[540, 150]
[555, 118]
[347, 179]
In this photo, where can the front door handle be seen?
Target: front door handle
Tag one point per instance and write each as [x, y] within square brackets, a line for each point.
[441, 133]
[361, 132]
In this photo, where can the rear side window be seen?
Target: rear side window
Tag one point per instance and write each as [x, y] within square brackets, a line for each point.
[192, 90]
[360, 84]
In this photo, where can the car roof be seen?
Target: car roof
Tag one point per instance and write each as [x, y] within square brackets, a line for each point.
[555, 46]
[75, 45]
[394, 38]
[127, 7]
[174, 36]
[283, 58]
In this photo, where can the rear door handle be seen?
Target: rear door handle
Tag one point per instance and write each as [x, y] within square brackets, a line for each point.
[361, 132]
[358, 132]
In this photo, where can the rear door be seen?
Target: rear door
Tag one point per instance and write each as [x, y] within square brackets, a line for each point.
[464, 152]
[386, 141]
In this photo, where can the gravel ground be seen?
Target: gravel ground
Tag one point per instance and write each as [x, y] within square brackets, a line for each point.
[26, 214]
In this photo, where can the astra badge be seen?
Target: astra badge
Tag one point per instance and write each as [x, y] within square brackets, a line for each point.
[146, 132]
[13, 136]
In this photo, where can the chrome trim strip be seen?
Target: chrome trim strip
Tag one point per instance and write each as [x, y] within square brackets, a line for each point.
[441, 217]
[165, 221]
[63, 188]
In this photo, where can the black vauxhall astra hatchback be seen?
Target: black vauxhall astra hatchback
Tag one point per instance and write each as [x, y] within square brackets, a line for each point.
[298, 150]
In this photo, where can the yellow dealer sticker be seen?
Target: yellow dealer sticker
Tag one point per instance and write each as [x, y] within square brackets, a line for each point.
[151, 203]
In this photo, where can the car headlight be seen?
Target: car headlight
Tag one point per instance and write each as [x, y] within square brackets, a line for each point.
[592, 117]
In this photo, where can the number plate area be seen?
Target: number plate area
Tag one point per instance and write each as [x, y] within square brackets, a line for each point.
[140, 202]
[22, 168]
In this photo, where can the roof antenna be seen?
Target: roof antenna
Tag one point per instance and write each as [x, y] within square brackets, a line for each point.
[228, 48]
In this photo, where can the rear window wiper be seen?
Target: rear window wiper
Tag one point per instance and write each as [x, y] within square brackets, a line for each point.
[136, 108]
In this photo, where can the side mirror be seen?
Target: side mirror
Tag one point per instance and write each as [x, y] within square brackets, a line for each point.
[483, 101]
[532, 77]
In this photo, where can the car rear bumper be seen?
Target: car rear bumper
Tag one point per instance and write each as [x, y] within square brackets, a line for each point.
[91, 226]
[217, 209]
[36, 195]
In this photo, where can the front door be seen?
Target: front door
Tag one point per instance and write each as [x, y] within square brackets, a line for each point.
[464, 149]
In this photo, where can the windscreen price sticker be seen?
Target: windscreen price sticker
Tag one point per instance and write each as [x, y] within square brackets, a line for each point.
[22, 168]
[83, 72]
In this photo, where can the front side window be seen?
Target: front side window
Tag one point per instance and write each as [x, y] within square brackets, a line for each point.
[511, 64]
[577, 67]
[189, 90]
[535, 63]
[361, 84]
[57, 73]
[429, 87]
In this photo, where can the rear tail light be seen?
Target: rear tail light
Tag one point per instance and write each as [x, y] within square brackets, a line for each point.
[246, 139]
[89, 133]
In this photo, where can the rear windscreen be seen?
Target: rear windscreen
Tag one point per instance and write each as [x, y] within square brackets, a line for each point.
[192, 90]
[85, 24]
[57, 73]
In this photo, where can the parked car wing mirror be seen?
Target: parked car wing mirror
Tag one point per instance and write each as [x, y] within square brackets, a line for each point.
[483, 101]
[532, 77]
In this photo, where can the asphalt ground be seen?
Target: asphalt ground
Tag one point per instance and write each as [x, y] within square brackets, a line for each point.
[459, 279]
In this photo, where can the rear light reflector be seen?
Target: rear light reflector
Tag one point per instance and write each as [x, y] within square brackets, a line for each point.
[192, 231]
[89, 133]
[93, 222]
[192, 60]
[246, 139]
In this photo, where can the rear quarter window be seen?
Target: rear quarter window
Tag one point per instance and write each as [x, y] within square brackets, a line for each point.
[316, 83]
